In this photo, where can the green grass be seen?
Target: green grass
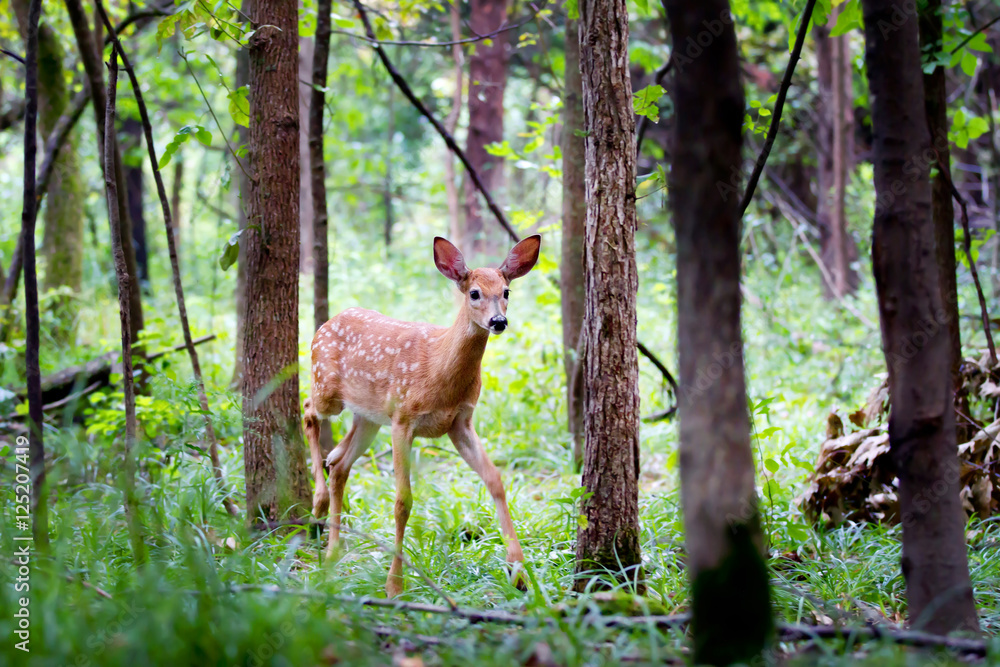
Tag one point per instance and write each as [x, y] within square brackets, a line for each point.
[805, 356]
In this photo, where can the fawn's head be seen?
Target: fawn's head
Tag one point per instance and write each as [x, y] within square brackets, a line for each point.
[485, 291]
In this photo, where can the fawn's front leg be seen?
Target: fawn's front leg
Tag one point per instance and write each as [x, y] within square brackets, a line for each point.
[471, 449]
[402, 441]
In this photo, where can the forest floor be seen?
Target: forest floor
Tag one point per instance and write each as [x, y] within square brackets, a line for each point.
[214, 593]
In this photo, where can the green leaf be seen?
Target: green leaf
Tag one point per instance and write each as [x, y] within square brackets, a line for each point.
[165, 30]
[572, 9]
[969, 62]
[645, 102]
[231, 252]
[772, 488]
[977, 127]
[239, 106]
[771, 465]
[849, 18]
[798, 532]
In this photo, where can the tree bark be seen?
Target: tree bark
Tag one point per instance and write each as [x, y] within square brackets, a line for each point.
[914, 335]
[276, 480]
[450, 123]
[731, 616]
[317, 170]
[487, 81]
[574, 222]
[63, 243]
[131, 505]
[89, 55]
[836, 144]
[176, 188]
[608, 538]
[132, 128]
[36, 443]
[243, 206]
[306, 65]
[942, 208]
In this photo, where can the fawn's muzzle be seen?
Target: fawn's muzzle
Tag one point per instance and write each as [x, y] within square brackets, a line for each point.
[498, 323]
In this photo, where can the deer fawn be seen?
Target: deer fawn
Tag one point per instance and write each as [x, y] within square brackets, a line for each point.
[422, 379]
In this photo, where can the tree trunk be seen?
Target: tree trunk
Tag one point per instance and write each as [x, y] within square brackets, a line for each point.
[729, 580]
[608, 539]
[836, 123]
[942, 209]
[450, 123]
[317, 168]
[487, 81]
[276, 480]
[125, 279]
[36, 443]
[305, 176]
[914, 338]
[132, 128]
[243, 206]
[89, 55]
[63, 243]
[574, 222]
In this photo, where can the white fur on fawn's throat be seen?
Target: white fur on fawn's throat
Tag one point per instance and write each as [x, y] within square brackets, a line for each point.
[421, 379]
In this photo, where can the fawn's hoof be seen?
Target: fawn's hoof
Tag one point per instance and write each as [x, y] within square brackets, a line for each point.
[321, 503]
[518, 577]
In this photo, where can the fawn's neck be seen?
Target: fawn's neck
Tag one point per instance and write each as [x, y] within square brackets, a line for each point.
[460, 350]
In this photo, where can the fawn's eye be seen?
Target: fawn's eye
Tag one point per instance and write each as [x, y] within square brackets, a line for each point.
[474, 294]
[506, 293]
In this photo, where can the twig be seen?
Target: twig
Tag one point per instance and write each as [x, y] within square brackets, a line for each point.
[669, 412]
[640, 131]
[772, 131]
[456, 42]
[213, 445]
[973, 35]
[104, 594]
[72, 397]
[399, 554]
[214, 117]
[12, 55]
[796, 632]
[404, 87]
[967, 244]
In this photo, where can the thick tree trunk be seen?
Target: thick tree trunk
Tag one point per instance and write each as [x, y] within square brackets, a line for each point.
[132, 128]
[914, 334]
[729, 580]
[274, 454]
[487, 81]
[942, 209]
[63, 243]
[89, 55]
[176, 188]
[608, 540]
[305, 175]
[574, 222]
[836, 122]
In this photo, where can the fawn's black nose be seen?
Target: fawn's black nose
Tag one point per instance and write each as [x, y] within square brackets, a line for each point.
[498, 323]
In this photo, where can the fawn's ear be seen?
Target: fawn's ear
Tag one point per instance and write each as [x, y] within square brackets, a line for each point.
[521, 258]
[449, 260]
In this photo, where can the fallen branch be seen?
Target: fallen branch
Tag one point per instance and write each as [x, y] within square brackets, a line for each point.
[772, 130]
[213, 445]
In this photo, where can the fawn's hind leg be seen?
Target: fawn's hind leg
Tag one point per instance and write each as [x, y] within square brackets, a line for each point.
[321, 496]
[340, 461]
